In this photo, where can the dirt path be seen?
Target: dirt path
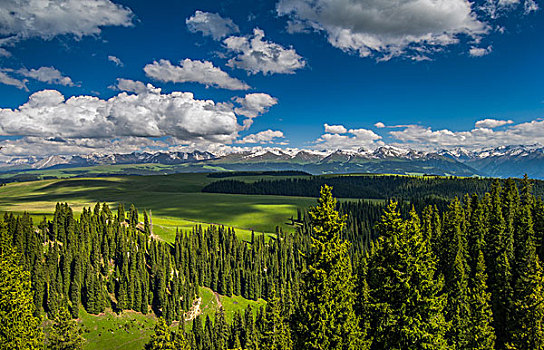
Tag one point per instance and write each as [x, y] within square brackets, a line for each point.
[218, 299]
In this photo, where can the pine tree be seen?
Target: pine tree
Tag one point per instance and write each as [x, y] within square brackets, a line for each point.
[528, 316]
[65, 333]
[180, 343]
[405, 294]
[221, 330]
[326, 319]
[499, 267]
[19, 328]
[456, 271]
[276, 334]
[480, 335]
[162, 337]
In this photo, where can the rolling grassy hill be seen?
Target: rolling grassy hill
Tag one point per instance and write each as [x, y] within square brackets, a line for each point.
[175, 201]
[131, 330]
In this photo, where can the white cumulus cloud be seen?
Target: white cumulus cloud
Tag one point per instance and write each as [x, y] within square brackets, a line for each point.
[492, 123]
[211, 24]
[256, 55]
[138, 115]
[147, 114]
[23, 19]
[266, 136]
[335, 129]
[483, 135]
[48, 75]
[384, 29]
[203, 72]
[353, 140]
[9, 80]
[253, 105]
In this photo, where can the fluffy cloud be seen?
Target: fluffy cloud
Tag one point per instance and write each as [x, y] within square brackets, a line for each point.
[335, 129]
[479, 51]
[23, 19]
[147, 114]
[499, 8]
[8, 80]
[514, 134]
[353, 140]
[48, 75]
[116, 60]
[266, 136]
[38, 146]
[379, 125]
[211, 24]
[385, 29]
[130, 86]
[253, 105]
[139, 116]
[492, 123]
[202, 72]
[256, 55]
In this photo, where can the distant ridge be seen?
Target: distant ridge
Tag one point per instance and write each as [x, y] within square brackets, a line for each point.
[386, 159]
[506, 161]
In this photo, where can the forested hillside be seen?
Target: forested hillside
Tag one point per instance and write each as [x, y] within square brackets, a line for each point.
[380, 277]
[365, 186]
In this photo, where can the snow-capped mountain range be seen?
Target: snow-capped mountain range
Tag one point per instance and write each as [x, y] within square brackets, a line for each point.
[503, 161]
[500, 162]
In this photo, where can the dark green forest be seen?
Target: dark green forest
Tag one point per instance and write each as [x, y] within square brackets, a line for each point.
[366, 186]
[354, 275]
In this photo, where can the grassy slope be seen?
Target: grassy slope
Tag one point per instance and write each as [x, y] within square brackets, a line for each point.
[175, 201]
[131, 330]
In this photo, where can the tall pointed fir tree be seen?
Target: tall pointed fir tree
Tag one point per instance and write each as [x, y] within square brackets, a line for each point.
[162, 338]
[480, 335]
[276, 334]
[528, 306]
[325, 318]
[65, 333]
[499, 267]
[19, 328]
[406, 297]
[455, 270]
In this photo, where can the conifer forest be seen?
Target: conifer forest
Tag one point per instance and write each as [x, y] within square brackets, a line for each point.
[348, 275]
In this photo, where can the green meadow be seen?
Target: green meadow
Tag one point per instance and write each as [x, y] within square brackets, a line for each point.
[131, 330]
[175, 201]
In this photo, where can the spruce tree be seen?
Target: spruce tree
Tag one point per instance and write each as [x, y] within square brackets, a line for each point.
[326, 319]
[456, 271]
[276, 334]
[65, 333]
[162, 338]
[406, 297]
[19, 328]
[180, 343]
[480, 335]
[528, 315]
[499, 267]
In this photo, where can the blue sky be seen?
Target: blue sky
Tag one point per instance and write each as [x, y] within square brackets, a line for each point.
[323, 74]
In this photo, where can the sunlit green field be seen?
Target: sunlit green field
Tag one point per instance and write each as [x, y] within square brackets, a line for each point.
[175, 201]
[131, 330]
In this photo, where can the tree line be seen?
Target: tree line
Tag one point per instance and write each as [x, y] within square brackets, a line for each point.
[413, 188]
